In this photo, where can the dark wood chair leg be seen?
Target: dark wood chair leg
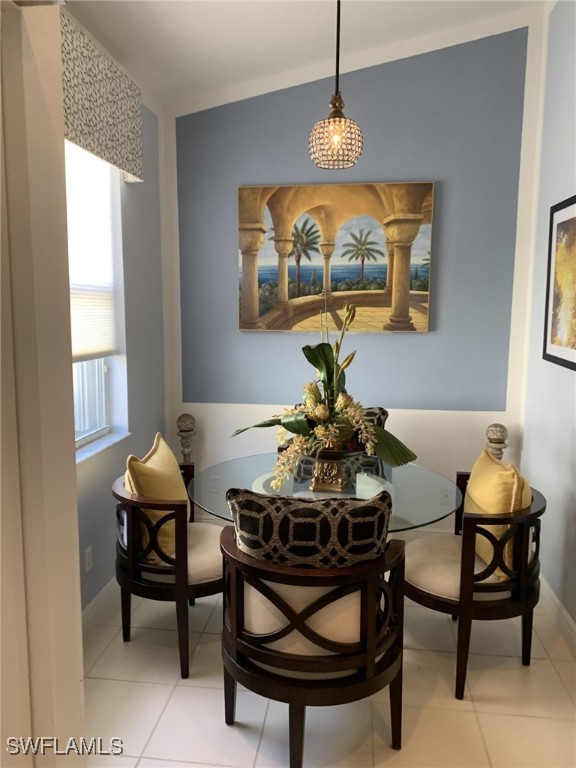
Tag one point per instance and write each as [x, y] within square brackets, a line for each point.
[125, 601]
[396, 710]
[229, 698]
[296, 720]
[464, 629]
[527, 620]
[192, 601]
[183, 639]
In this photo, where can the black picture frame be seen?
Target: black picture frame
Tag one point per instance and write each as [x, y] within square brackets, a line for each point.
[560, 315]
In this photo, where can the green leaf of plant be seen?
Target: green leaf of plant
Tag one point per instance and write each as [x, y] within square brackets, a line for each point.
[297, 423]
[268, 423]
[346, 362]
[321, 356]
[391, 450]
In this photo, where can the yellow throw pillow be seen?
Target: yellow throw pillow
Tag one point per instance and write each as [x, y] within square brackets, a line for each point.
[157, 476]
[495, 488]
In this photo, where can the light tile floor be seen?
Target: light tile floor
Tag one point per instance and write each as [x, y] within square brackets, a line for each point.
[511, 717]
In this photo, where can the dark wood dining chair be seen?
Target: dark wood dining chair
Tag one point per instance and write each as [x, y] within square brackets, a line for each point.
[299, 658]
[161, 553]
[446, 573]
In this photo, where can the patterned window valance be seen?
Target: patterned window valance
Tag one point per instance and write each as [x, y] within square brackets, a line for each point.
[102, 106]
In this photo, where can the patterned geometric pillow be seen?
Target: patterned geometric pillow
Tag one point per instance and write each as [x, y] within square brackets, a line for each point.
[376, 415]
[313, 533]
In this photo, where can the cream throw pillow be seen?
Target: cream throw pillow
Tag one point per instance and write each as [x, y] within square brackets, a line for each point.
[157, 476]
[495, 488]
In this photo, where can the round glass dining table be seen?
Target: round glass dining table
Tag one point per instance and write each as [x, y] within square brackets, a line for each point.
[419, 496]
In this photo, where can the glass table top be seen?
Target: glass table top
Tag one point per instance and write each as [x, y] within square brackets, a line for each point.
[419, 495]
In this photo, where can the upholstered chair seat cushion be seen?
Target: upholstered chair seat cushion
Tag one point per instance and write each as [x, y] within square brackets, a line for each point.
[204, 558]
[314, 533]
[433, 565]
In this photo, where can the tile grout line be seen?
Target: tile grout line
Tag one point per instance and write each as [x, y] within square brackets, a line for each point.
[153, 730]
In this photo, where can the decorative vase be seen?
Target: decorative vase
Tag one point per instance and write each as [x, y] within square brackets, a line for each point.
[331, 473]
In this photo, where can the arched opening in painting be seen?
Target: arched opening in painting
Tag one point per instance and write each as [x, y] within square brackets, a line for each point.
[420, 265]
[305, 259]
[359, 262]
[267, 269]
[304, 263]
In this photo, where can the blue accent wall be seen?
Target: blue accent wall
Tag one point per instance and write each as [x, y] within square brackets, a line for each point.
[452, 116]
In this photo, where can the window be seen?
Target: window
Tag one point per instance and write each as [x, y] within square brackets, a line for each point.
[96, 306]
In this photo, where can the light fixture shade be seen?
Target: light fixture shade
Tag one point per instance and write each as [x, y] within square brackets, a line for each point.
[336, 142]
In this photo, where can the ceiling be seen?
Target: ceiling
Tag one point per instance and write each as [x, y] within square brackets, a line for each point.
[193, 54]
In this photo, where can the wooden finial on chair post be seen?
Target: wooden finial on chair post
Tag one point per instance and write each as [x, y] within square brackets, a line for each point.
[186, 424]
[496, 436]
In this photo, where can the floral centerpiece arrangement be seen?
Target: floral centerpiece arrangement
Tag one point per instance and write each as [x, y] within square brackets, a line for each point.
[329, 419]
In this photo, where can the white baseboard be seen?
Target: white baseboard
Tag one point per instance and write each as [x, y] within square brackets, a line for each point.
[90, 609]
[559, 615]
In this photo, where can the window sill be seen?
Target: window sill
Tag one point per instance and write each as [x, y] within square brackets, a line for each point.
[97, 446]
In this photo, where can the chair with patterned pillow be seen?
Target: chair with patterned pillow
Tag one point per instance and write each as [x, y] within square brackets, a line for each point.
[313, 605]
[489, 569]
[161, 553]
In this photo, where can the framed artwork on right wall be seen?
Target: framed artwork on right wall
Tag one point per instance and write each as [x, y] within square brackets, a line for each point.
[560, 318]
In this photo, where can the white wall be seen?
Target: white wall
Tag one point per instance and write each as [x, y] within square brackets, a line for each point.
[550, 429]
[42, 426]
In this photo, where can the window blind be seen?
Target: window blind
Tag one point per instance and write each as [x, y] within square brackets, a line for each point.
[90, 184]
[102, 105]
[92, 318]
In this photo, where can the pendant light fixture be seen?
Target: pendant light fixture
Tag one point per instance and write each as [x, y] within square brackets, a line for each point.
[336, 142]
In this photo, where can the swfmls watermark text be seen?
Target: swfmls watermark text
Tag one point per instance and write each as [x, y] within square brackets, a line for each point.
[44, 745]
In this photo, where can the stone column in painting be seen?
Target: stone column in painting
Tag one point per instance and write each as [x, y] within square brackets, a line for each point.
[283, 247]
[251, 240]
[390, 270]
[401, 231]
[327, 249]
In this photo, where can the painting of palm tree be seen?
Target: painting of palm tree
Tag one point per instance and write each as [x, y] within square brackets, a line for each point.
[305, 251]
[306, 242]
[362, 249]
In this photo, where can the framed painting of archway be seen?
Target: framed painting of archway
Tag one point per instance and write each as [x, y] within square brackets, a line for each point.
[306, 250]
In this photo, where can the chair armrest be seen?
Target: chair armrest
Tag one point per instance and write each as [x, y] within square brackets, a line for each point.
[461, 483]
[187, 470]
[133, 500]
[536, 509]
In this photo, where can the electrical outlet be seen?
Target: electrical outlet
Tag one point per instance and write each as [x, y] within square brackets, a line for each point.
[88, 559]
[214, 484]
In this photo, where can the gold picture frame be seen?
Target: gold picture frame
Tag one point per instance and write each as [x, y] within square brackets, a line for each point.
[307, 250]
